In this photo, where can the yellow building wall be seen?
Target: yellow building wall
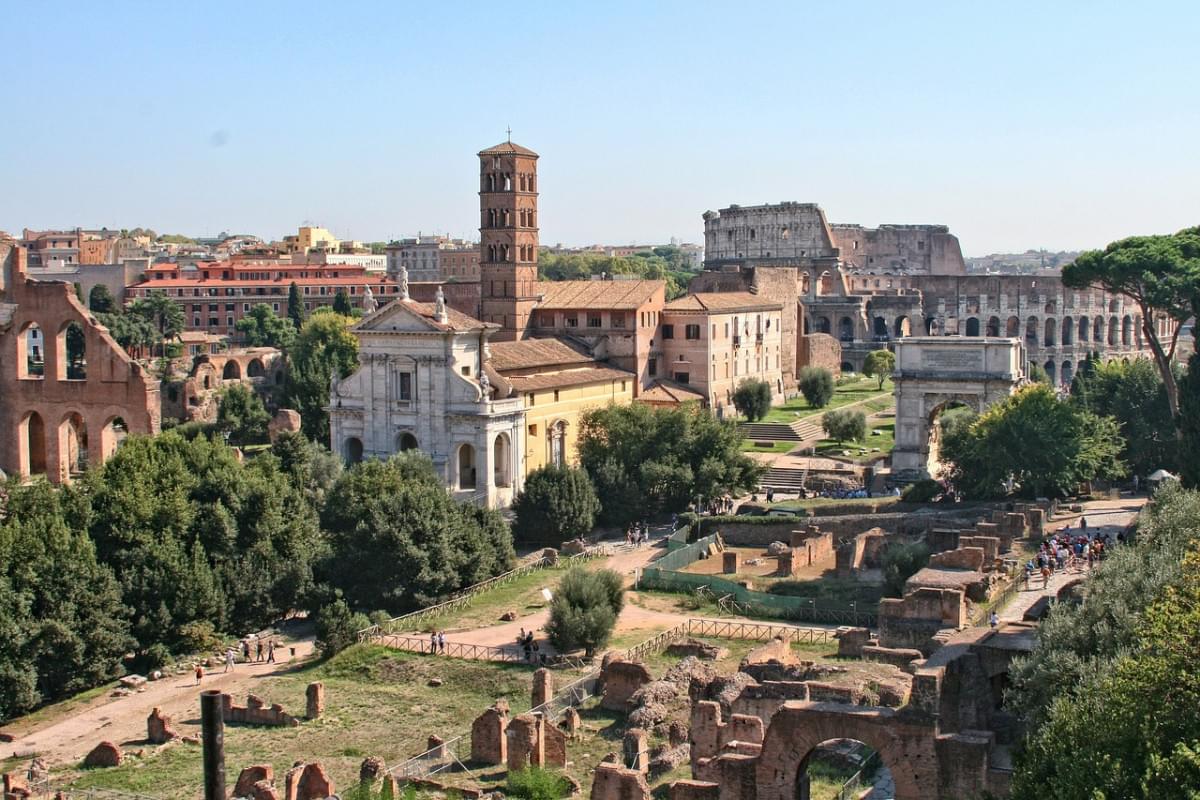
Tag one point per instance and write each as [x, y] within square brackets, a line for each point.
[312, 238]
[543, 412]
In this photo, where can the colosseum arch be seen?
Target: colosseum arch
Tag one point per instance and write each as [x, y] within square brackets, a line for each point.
[1113, 326]
[72, 445]
[31, 445]
[1127, 331]
[993, 326]
[1012, 329]
[1084, 329]
[1098, 330]
[903, 327]
[1068, 331]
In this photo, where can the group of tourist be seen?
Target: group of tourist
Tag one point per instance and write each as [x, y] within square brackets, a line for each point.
[437, 642]
[637, 533]
[529, 645]
[1067, 549]
[263, 652]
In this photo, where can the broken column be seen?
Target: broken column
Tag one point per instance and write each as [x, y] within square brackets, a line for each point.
[611, 782]
[525, 742]
[158, 727]
[729, 562]
[489, 740]
[637, 755]
[571, 721]
[543, 688]
[250, 776]
[315, 697]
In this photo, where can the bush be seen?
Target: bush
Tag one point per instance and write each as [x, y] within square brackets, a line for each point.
[816, 384]
[845, 425]
[557, 504]
[338, 627]
[199, 637]
[899, 563]
[584, 610]
[753, 399]
[923, 491]
[535, 783]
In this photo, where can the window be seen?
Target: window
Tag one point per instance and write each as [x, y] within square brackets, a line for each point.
[245, 307]
[692, 331]
[533, 430]
[275, 307]
[572, 322]
[556, 395]
[652, 367]
[212, 322]
[405, 388]
[212, 307]
[466, 371]
[195, 322]
[229, 321]
[682, 377]
[230, 306]
[531, 398]
[618, 320]
[593, 320]
[668, 331]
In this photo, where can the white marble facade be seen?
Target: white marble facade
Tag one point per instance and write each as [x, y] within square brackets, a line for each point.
[421, 384]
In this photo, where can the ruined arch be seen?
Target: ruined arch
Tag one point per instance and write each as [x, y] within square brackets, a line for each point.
[1051, 372]
[846, 329]
[1098, 330]
[112, 434]
[1112, 331]
[232, 371]
[1127, 331]
[1031, 331]
[824, 325]
[31, 444]
[825, 283]
[1051, 337]
[353, 450]
[31, 352]
[972, 326]
[256, 368]
[993, 326]
[903, 327]
[1068, 331]
[880, 328]
[1067, 374]
[1084, 329]
[1012, 328]
[931, 326]
[71, 352]
[800, 727]
[72, 445]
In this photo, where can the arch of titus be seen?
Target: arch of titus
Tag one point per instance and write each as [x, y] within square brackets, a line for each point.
[933, 372]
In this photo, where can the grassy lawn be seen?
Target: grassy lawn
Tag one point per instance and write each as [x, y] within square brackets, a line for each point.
[378, 702]
[873, 448]
[852, 392]
[522, 595]
[756, 446]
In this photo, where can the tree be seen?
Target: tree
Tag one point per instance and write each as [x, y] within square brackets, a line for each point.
[1162, 275]
[643, 459]
[753, 399]
[1189, 422]
[295, 308]
[584, 610]
[556, 505]
[817, 386]
[1132, 393]
[900, 562]
[324, 346]
[132, 331]
[1044, 445]
[262, 327]
[1110, 693]
[161, 311]
[1037, 374]
[845, 425]
[242, 416]
[341, 303]
[400, 542]
[338, 627]
[880, 364]
[101, 300]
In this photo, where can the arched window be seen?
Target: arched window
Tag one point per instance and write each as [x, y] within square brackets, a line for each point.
[1068, 331]
[466, 467]
[881, 328]
[1098, 330]
[354, 450]
[501, 456]
[406, 441]
[1051, 371]
[846, 329]
[72, 353]
[111, 436]
[255, 368]
[903, 328]
[1012, 328]
[972, 326]
[1084, 329]
[232, 371]
[1068, 372]
[1051, 333]
[1112, 331]
[32, 445]
[31, 349]
[993, 326]
[1127, 331]
[1031, 331]
[824, 325]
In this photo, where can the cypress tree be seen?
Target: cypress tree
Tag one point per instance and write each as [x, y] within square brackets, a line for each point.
[295, 310]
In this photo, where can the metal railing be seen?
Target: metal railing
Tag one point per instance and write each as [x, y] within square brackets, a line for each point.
[757, 631]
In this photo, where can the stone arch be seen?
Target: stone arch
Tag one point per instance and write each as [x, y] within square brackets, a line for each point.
[805, 283]
[1067, 374]
[800, 727]
[879, 328]
[825, 283]
[847, 367]
[824, 325]
[1051, 372]
[931, 326]
[31, 352]
[846, 329]
[1068, 331]
[72, 445]
[1098, 330]
[1113, 306]
[1112, 331]
[972, 326]
[1084, 329]
[465, 461]
[256, 368]
[232, 371]
[903, 327]
[1051, 337]
[501, 458]
[406, 441]
[993, 326]
[353, 450]
[31, 445]
[71, 352]
[1031, 331]
[1127, 331]
[1012, 328]
[112, 433]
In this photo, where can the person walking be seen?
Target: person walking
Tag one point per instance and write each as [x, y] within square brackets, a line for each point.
[442, 642]
[246, 650]
[259, 654]
[994, 620]
[433, 641]
[230, 659]
[271, 652]
[199, 673]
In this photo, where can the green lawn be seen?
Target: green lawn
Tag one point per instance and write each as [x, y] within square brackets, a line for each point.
[779, 448]
[852, 392]
[522, 595]
[873, 448]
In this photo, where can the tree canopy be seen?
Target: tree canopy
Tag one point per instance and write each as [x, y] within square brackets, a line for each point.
[668, 263]
[879, 364]
[295, 308]
[556, 504]
[242, 416]
[817, 386]
[1043, 445]
[644, 459]
[845, 425]
[101, 300]
[752, 399]
[584, 609]
[324, 346]
[262, 327]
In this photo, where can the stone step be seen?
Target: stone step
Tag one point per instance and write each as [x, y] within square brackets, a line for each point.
[768, 431]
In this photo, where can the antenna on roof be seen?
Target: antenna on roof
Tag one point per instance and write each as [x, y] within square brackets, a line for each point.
[509, 130]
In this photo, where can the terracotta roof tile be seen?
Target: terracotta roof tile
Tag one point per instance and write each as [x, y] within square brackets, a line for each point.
[529, 353]
[664, 391]
[614, 295]
[721, 302]
[568, 377]
[508, 149]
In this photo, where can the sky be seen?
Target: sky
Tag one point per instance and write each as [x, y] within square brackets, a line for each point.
[1060, 125]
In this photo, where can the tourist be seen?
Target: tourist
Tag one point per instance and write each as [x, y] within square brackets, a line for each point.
[259, 655]
[1045, 576]
[1083, 523]
[271, 651]
[230, 659]
[433, 641]
[993, 620]
[199, 673]
[442, 641]
[246, 650]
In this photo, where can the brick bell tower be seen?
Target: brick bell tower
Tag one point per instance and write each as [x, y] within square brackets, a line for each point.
[508, 237]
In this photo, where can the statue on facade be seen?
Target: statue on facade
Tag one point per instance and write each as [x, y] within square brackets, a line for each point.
[439, 306]
[369, 301]
[402, 279]
[485, 387]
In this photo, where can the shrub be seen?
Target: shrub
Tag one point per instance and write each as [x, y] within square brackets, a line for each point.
[816, 384]
[880, 364]
[584, 610]
[845, 425]
[535, 783]
[899, 563]
[557, 504]
[337, 627]
[923, 491]
[199, 637]
[753, 399]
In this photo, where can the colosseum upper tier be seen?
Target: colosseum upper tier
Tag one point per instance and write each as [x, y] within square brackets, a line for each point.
[867, 287]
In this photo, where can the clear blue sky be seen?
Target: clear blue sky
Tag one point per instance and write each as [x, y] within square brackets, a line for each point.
[1058, 125]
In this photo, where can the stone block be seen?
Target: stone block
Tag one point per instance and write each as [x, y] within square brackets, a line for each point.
[314, 783]
[158, 728]
[613, 782]
[729, 562]
[621, 679]
[105, 754]
[251, 775]
[543, 688]
[314, 696]
[285, 421]
[851, 641]
[694, 790]
[896, 656]
[489, 739]
[963, 558]
[636, 752]
[263, 790]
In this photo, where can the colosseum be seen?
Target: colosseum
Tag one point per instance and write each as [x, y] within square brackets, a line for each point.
[866, 287]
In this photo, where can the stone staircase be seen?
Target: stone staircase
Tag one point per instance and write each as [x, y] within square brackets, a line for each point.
[802, 430]
[783, 479]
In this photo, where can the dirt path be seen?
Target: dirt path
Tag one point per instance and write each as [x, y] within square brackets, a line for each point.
[123, 719]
